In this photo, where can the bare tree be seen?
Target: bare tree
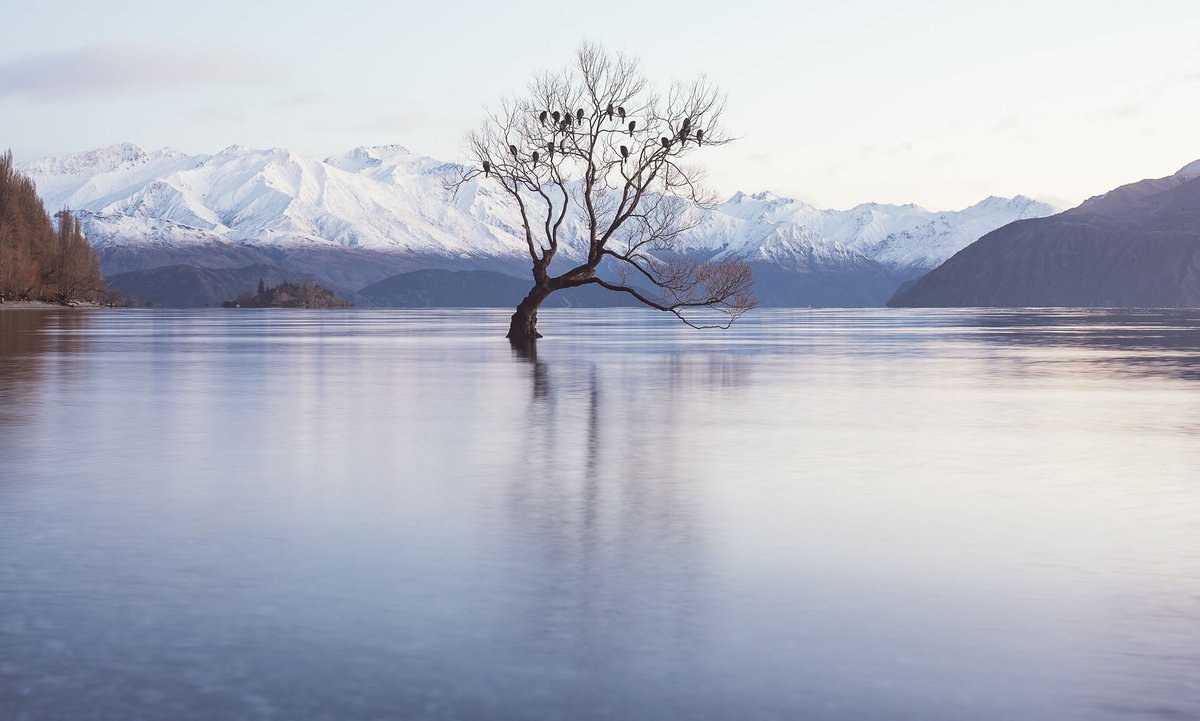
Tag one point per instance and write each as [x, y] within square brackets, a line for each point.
[597, 146]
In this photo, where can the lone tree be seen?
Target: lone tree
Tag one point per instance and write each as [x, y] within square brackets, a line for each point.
[595, 151]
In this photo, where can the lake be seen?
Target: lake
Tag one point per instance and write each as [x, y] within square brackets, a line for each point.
[817, 514]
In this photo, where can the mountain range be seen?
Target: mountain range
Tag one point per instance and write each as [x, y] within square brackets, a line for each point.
[360, 217]
[1135, 246]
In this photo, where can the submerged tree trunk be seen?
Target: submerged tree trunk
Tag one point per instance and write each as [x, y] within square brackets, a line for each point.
[522, 329]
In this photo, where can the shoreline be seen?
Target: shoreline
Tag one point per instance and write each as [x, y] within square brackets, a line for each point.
[43, 305]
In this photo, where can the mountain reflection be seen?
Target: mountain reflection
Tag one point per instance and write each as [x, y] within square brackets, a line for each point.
[1139, 342]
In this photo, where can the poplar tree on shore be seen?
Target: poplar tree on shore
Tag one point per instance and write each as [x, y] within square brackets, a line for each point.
[39, 258]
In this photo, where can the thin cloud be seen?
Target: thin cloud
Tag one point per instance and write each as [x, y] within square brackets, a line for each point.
[112, 70]
[404, 122]
[884, 151]
[400, 122]
[300, 100]
[230, 114]
[1131, 109]
[1011, 123]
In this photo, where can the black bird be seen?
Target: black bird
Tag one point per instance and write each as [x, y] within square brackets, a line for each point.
[682, 138]
[557, 116]
[487, 168]
[687, 123]
[535, 157]
[579, 116]
[624, 153]
[566, 120]
[699, 137]
[542, 117]
[513, 149]
[621, 112]
[632, 123]
[610, 111]
[666, 142]
[550, 148]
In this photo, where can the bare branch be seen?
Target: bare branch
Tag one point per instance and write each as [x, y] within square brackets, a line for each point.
[595, 154]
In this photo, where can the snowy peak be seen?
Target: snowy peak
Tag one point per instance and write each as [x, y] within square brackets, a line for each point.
[904, 237]
[92, 161]
[763, 206]
[368, 156]
[1020, 205]
[86, 165]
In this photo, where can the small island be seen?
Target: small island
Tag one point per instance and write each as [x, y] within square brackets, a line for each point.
[288, 295]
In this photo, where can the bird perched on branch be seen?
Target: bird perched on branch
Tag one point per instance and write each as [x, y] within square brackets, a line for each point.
[487, 168]
[513, 149]
[610, 111]
[621, 112]
[666, 142]
[632, 125]
[557, 116]
[534, 156]
[542, 117]
[624, 154]
[699, 137]
[579, 116]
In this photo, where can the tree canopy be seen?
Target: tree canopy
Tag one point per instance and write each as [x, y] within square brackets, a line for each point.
[598, 147]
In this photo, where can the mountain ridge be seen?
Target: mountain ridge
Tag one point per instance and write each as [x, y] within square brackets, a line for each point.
[377, 210]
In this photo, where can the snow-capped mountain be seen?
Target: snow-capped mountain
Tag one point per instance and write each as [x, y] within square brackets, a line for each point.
[386, 209]
[900, 237]
[379, 198]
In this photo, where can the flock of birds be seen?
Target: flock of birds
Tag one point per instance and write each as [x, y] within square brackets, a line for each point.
[563, 121]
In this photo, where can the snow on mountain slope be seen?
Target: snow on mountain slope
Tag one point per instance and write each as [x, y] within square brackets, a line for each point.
[104, 176]
[897, 236]
[753, 230]
[380, 198]
[392, 200]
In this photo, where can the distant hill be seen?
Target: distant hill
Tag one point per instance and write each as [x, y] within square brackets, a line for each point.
[189, 286]
[865, 284]
[479, 289]
[1135, 246]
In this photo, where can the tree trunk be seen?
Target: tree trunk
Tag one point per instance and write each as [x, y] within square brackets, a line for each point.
[522, 330]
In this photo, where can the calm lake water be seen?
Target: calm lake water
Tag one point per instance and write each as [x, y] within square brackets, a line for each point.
[354, 515]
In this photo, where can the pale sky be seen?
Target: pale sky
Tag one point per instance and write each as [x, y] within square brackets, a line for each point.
[836, 103]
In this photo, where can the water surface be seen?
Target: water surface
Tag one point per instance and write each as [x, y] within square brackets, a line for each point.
[353, 515]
